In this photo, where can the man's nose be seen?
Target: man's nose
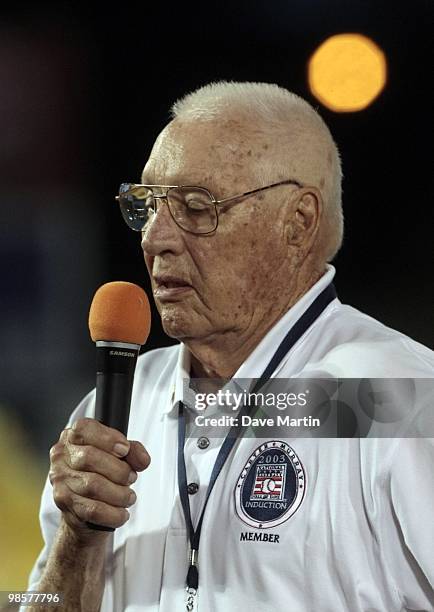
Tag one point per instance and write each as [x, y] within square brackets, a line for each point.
[161, 234]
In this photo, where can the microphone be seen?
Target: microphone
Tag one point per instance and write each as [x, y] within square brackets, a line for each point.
[119, 323]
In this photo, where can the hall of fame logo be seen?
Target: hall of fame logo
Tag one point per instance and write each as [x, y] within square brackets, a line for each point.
[271, 485]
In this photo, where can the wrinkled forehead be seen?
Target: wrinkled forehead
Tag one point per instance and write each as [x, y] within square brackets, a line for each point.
[205, 152]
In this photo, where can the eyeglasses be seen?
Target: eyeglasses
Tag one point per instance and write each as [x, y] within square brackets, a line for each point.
[194, 209]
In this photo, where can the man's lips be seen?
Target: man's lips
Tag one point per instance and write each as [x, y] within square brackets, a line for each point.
[170, 281]
[168, 287]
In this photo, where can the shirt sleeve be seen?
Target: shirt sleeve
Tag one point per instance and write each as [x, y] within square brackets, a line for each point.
[409, 525]
[49, 513]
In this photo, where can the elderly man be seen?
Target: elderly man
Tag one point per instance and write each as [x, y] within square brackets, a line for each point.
[238, 264]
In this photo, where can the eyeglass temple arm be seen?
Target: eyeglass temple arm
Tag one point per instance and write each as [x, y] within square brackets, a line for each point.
[241, 195]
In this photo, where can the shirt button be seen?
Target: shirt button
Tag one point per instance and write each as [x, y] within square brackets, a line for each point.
[203, 442]
[192, 488]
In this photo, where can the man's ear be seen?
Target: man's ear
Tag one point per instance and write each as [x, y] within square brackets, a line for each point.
[306, 216]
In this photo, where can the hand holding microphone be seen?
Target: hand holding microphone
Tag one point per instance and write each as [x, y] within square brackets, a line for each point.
[93, 463]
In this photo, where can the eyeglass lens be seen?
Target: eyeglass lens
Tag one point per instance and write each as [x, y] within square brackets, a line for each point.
[191, 208]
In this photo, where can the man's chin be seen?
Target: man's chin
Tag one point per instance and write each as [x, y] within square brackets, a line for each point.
[179, 325]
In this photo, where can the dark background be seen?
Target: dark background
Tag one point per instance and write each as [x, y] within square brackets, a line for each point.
[83, 96]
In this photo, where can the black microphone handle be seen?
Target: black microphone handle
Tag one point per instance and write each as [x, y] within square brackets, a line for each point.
[113, 399]
[116, 363]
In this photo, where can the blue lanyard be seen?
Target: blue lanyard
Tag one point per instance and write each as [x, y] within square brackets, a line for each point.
[297, 330]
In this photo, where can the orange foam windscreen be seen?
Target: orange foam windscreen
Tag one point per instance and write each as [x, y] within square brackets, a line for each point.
[120, 312]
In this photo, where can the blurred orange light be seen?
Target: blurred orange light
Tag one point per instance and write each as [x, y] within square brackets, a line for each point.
[347, 72]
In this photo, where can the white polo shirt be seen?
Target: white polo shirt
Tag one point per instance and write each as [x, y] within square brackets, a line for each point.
[359, 535]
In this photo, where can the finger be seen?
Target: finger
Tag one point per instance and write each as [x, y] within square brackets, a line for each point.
[138, 457]
[91, 459]
[94, 486]
[88, 510]
[93, 433]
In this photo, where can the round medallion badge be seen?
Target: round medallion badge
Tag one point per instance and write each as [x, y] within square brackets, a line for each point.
[271, 485]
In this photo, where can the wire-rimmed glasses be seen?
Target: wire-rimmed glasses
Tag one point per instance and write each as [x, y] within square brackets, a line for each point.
[194, 209]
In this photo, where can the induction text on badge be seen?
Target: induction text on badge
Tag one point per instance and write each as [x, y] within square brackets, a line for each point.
[271, 485]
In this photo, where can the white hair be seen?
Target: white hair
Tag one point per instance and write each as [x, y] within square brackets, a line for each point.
[269, 108]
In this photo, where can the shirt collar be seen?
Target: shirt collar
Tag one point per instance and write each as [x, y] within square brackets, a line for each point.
[260, 357]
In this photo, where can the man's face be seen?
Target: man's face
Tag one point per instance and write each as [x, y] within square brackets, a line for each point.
[228, 281]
